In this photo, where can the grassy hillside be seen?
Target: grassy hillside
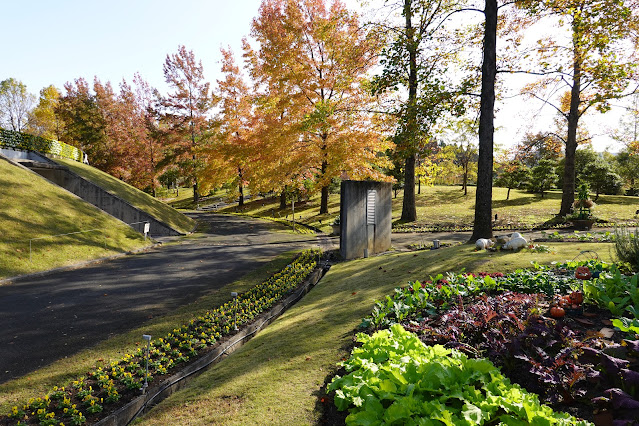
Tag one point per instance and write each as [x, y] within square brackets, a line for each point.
[31, 207]
[133, 196]
[449, 205]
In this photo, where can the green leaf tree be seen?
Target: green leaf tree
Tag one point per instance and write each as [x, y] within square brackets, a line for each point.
[602, 179]
[594, 66]
[513, 175]
[628, 168]
[542, 177]
[415, 62]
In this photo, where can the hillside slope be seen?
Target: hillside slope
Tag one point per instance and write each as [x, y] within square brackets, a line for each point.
[133, 196]
[33, 211]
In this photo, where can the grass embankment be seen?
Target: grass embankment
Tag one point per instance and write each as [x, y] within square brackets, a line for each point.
[447, 205]
[133, 196]
[31, 208]
[40, 382]
[275, 378]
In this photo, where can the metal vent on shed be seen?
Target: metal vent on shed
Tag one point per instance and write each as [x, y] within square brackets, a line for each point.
[370, 206]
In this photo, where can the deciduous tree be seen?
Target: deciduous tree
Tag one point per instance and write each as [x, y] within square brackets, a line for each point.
[229, 152]
[594, 66]
[415, 61]
[513, 175]
[43, 120]
[312, 60]
[186, 109]
[15, 104]
[84, 125]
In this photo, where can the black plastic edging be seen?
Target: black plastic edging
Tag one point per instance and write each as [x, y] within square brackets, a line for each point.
[155, 395]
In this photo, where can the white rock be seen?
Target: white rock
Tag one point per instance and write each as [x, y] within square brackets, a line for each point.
[516, 235]
[515, 244]
[483, 243]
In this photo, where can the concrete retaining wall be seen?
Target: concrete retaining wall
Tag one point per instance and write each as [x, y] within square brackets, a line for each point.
[365, 214]
[90, 192]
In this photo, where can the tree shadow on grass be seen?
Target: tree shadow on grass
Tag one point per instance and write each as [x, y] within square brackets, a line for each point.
[523, 201]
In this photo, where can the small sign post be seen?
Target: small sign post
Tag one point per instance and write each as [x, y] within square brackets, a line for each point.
[147, 228]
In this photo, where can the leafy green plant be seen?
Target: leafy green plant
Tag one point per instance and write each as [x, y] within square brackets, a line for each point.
[626, 325]
[395, 379]
[614, 291]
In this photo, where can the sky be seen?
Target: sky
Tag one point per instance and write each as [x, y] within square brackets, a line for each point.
[53, 42]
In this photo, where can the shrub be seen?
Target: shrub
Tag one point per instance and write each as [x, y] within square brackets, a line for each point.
[627, 246]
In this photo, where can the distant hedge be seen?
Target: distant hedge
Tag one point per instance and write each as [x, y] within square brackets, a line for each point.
[16, 140]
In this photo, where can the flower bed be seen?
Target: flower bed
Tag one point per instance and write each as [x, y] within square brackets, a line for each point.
[106, 388]
[575, 362]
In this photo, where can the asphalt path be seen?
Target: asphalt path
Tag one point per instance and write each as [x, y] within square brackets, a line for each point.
[49, 317]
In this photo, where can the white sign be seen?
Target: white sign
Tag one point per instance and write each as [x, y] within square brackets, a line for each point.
[147, 228]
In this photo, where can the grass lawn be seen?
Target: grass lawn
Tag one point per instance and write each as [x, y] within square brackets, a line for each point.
[39, 382]
[133, 196]
[31, 207]
[275, 378]
[448, 205]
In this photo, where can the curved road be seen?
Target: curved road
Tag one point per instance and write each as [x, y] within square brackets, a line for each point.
[49, 317]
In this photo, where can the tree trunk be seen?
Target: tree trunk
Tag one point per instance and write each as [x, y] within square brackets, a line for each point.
[283, 199]
[409, 211]
[466, 180]
[240, 188]
[483, 199]
[508, 194]
[324, 200]
[196, 194]
[568, 190]
[419, 186]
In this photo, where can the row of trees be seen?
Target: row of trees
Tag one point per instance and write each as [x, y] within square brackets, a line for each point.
[322, 96]
[603, 173]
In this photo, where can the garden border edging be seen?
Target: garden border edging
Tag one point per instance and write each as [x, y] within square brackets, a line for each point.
[179, 380]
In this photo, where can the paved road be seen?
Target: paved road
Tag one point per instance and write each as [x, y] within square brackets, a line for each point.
[47, 318]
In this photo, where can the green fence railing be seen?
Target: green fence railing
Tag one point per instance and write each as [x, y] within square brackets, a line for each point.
[23, 141]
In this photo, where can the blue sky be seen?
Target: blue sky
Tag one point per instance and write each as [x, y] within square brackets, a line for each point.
[52, 42]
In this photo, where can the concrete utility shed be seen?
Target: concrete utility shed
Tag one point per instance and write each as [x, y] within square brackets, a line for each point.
[365, 214]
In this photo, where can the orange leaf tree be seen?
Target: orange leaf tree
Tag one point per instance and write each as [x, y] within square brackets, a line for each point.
[227, 155]
[311, 71]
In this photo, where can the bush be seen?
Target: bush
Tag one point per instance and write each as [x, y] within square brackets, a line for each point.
[23, 141]
[627, 246]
